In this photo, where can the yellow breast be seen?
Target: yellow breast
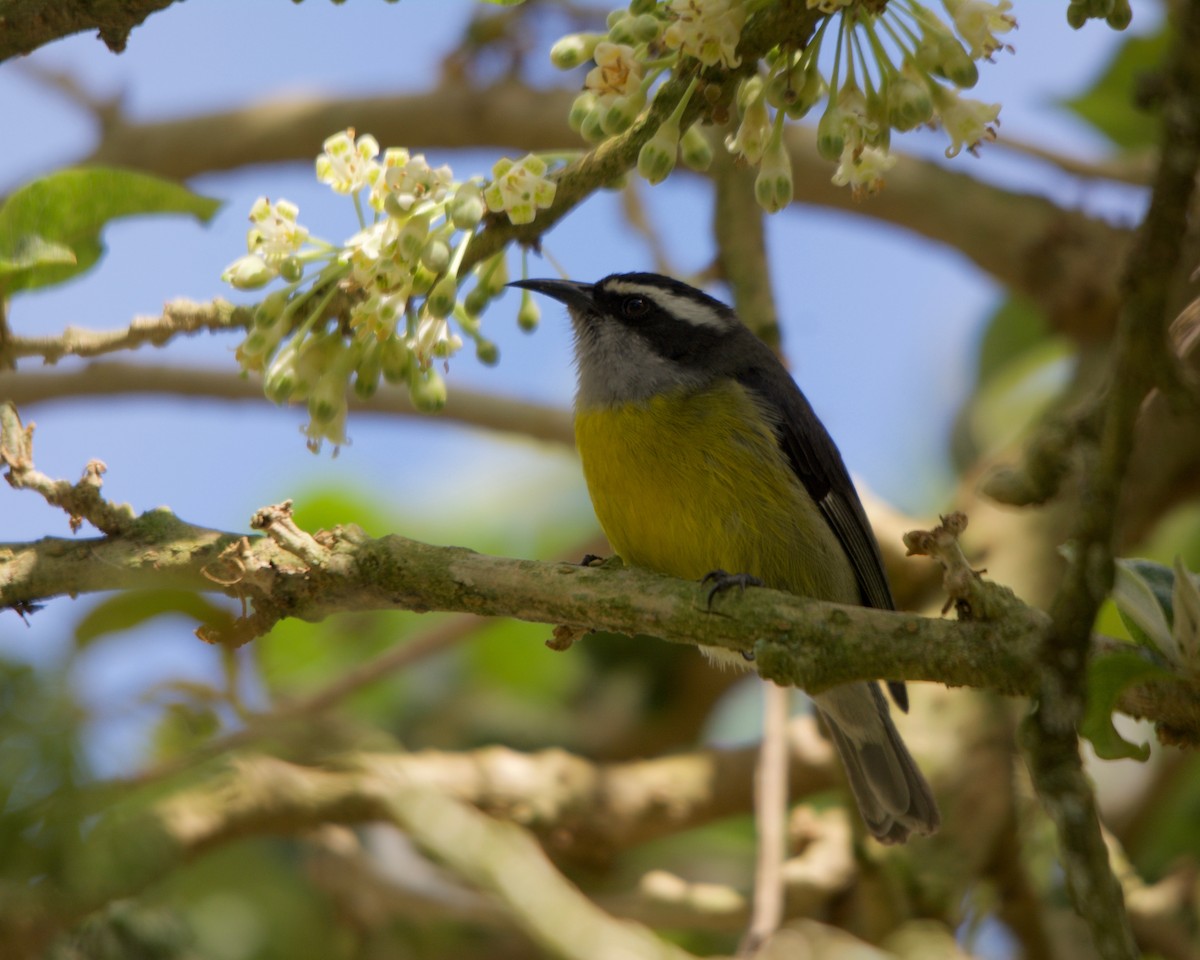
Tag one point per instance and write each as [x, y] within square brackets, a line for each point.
[686, 483]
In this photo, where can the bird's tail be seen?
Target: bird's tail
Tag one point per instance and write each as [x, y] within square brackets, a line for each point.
[893, 797]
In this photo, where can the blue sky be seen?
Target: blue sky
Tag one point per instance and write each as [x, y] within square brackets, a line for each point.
[880, 327]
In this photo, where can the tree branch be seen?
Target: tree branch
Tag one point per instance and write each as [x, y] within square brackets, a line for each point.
[179, 317]
[26, 25]
[799, 642]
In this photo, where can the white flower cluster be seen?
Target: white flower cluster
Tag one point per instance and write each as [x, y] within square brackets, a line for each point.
[380, 306]
[893, 66]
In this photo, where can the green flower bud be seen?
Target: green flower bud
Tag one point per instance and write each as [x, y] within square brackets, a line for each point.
[622, 112]
[282, 380]
[657, 157]
[623, 31]
[638, 7]
[773, 185]
[396, 361]
[476, 301]
[442, 297]
[581, 107]
[328, 400]
[467, 208]
[646, 28]
[368, 370]
[593, 125]
[270, 308]
[957, 65]
[908, 103]
[291, 269]
[811, 89]
[694, 149]
[248, 273]
[574, 49]
[429, 392]
[529, 314]
[1120, 16]
[423, 280]
[831, 133]
[614, 17]
[412, 237]
[487, 352]
[435, 257]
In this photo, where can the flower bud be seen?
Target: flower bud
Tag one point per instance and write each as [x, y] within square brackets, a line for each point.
[412, 237]
[908, 103]
[270, 308]
[291, 269]
[368, 370]
[773, 185]
[442, 297]
[435, 257]
[622, 112]
[487, 352]
[423, 280]
[477, 299]
[624, 30]
[248, 273]
[529, 314]
[638, 7]
[593, 125]
[646, 28]
[574, 49]
[429, 392]
[396, 359]
[581, 107]
[328, 399]
[467, 208]
[811, 89]
[831, 132]
[657, 157]
[694, 149]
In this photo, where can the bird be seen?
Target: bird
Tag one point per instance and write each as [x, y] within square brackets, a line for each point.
[701, 456]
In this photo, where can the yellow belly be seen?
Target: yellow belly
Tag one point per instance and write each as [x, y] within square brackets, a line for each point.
[686, 484]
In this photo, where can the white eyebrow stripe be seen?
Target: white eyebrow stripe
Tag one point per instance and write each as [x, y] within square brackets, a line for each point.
[685, 308]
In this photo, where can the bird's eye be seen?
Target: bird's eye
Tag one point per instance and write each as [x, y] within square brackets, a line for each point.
[634, 307]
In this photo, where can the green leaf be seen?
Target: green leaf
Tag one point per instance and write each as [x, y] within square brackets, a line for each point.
[34, 251]
[1108, 675]
[1142, 592]
[50, 228]
[125, 611]
[1110, 106]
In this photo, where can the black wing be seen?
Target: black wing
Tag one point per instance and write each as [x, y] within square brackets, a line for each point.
[818, 463]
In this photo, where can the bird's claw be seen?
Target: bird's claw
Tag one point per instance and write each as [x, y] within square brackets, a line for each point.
[722, 580]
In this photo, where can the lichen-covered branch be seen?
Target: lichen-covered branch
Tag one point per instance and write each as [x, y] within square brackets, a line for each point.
[26, 25]
[179, 317]
[800, 642]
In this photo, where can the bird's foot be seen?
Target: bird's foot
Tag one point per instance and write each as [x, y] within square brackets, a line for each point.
[723, 580]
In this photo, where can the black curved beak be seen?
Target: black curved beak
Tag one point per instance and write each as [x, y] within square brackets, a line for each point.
[577, 295]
